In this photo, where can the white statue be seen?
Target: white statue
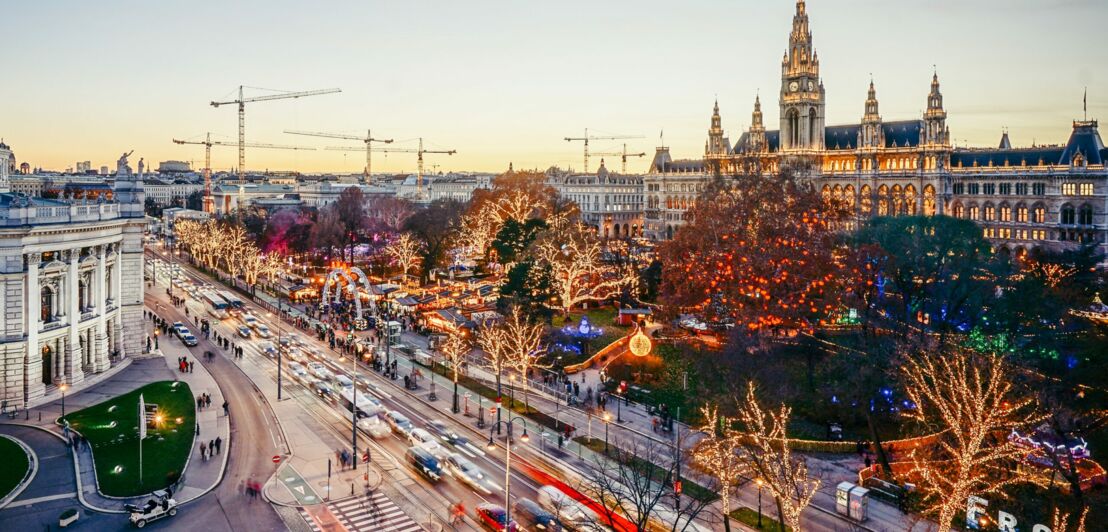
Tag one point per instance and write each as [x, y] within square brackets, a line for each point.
[121, 167]
[142, 166]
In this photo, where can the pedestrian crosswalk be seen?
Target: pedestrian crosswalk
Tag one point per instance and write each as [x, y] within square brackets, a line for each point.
[375, 513]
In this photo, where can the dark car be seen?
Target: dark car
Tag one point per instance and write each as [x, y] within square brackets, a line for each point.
[531, 515]
[494, 517]
[446, 433]
[424, 462]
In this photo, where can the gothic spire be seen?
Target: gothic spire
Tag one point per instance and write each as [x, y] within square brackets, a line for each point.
[756, 116]
[871, 103]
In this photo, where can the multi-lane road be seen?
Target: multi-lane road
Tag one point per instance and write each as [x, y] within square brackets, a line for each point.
[388, 452]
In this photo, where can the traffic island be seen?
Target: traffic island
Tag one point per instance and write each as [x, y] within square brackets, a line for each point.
[112, 431]
[16, 469]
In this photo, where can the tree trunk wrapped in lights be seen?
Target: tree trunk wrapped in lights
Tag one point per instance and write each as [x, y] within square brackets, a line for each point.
[764, 447]
[454, 350]
[718, 455]
[404, 251]
[571, 253]
[971, 399]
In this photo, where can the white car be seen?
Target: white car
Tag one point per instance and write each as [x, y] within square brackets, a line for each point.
[399, 422]
[314, 366]
[343, 381]
[570, 512]
[249, 320]
[262, 331]
[428, 441]
[373, 426]
[468, 473]
[297, 370]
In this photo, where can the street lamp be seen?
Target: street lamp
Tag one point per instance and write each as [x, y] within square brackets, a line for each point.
[354, 392]
[279, 348]
[63, 387]
[607, 421]
[758, 481]
[508, 461]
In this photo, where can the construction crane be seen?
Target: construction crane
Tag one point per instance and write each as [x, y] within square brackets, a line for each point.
[241, 101]
[623, 155]
[420, 152]
[368, 140]
[209, 205]
[587, 138]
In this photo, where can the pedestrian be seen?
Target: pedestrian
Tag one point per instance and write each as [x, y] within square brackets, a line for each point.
[190, 366]
[218, 445]
[197, 429]
[211, 447]
[225, 405]
[207, 399]
[203, 450]
[242, 487]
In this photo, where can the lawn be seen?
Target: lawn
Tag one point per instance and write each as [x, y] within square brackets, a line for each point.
[15, 465]
[749, 517]
[112, 429]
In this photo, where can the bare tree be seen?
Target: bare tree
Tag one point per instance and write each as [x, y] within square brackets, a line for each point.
[970, 399]
[634, 483]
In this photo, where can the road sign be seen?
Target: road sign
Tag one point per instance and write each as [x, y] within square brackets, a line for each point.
[276, 458]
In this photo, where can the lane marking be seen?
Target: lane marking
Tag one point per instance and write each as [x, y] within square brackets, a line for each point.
[36, 500]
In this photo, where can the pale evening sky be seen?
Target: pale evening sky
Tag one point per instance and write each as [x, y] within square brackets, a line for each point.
[505, 81]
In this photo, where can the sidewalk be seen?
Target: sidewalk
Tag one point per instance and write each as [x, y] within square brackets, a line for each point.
[199, 476]
[636, 424]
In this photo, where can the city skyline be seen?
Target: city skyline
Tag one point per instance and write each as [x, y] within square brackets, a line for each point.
[618, 71]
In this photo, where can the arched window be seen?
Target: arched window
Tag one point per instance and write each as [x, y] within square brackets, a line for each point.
[929, 200]
[959, 211]
[1038, 214]
[990, 212]
[826, 192]
[1021, 213]
[866, 200]
[848, 196]
[1068, 217]
[1005, 212]
[1085, 215]
[974, 212]
[883, 200]
[47, 304]
[81, 300]
[910, 200]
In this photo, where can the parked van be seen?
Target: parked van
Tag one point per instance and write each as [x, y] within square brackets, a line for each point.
[425, 463]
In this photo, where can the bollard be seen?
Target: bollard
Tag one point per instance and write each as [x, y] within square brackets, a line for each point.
[351, 488]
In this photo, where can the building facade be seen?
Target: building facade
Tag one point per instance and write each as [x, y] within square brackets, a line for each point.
[611, 203]
[71, 284]
[1054, 196]
[166, 191]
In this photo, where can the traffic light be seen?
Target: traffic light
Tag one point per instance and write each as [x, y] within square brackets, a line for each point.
[677, 486]
[365, 457]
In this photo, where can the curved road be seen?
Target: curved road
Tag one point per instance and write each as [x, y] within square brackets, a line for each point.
[255, 438]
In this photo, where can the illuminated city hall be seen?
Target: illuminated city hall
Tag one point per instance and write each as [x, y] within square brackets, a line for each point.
[1022, 197]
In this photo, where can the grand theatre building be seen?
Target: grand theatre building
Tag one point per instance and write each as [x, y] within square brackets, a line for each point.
[1021, 197]
[71, 285]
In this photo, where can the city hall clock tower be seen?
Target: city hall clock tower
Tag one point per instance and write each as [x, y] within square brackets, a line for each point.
[802, 95]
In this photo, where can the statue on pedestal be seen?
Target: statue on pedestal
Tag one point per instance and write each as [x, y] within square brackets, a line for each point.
[121, 167]
[142, 166]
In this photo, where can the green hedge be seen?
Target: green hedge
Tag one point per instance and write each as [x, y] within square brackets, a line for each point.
[15, 465]
[749, 517]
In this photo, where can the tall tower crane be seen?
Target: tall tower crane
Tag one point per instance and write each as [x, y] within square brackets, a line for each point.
[623, 155]
[368, 140]
[241, 102]
[420, 152]
[587, 138]
[209, 203]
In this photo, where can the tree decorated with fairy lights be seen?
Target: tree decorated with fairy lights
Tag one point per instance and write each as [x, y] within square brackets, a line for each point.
[717, 455]
[454, 350]
[404, 250]
[971, 401]
[761, 250]
[764, 449]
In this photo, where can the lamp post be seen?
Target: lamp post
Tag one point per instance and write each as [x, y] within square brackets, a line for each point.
[432, 396]
[354, 392]
[759, 483]
[508, 462]
[279, 364]
[63, 387]
[607, 421]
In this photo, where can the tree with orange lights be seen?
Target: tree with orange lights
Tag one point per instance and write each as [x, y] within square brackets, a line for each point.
[404, 250]
[761, 250]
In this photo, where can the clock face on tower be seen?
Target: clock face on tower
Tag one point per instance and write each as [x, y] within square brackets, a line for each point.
[794, 86]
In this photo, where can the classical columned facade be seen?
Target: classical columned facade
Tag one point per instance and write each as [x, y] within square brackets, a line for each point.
[71, 286]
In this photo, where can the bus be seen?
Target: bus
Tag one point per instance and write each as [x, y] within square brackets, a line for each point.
[367, 406]
[214, 304]
[236, 305]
